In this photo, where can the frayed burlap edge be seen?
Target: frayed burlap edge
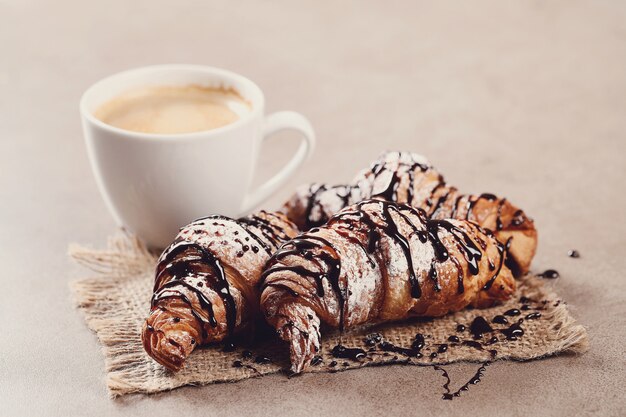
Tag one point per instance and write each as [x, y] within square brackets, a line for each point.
[116, 301]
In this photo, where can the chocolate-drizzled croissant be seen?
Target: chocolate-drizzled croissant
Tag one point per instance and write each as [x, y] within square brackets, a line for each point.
[205, 288]
[379, 261]
[408, 178]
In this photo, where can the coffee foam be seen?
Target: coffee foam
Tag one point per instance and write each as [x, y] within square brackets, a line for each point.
[174, 109]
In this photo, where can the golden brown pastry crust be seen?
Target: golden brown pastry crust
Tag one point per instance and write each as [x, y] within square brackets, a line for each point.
[409, 178]
[206, 283]
[379, 261]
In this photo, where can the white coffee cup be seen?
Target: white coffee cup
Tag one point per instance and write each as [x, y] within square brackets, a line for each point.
[155, 183]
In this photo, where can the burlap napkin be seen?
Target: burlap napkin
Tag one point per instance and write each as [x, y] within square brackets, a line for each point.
[116, 301]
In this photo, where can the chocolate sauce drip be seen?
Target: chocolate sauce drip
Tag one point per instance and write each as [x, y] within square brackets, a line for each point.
[473, 344]
[240, 364]
[549, 274]
[311, 203]
[300, 270]
[261, 360]
[317, 359]
[459, 275]
[285, 287]
[303, 245]
[241, 222]
[533, 316]
[573, 253]
[413, 351]
[418, 342]
[219, 283]
[454, 339]
[465, 244]
[274, 234]
[178, 268]
[343, 352]
[391, 192]
[448, 395]
[500, 319]
[390, 347]
[460, 328]
[389, 228]
[479, 326]
[183, 298]
[350, 237]
[512, 312]
[204, 302]
[501, 252]
[411, 185]
[229, 346]
[440, 202]
[518, 218]
[429, 199]
[455, 206]
[499, 225]
[372, 339]
[514, 332]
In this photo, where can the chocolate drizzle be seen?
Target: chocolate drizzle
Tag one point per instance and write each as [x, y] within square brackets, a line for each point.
[327, 255]
[311, 203]
[464, 244]
[391, 192]
[250, 220]
[448, 395]
[502, 253]
[188, 266]
[549, 274]
[343, 352]
[479, 326]
[514, 332]
[271, 232]
[413, 351]
[360, 219]
[181, 268]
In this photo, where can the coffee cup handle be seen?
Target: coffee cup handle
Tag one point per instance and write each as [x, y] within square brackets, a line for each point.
[275, 122]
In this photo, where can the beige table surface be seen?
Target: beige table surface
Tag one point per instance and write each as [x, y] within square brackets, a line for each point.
[523, 99]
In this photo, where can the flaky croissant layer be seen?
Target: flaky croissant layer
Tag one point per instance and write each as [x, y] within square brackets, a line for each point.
[205, 286]
[409, 178]
[379, 261]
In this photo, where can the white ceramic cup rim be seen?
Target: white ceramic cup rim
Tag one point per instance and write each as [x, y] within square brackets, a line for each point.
[255, 96]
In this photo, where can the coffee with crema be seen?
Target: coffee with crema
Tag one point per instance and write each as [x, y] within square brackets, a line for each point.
[173, 109]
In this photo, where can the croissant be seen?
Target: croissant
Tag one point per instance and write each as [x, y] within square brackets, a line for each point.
[205, 288]
[408, 178]
[379, 261]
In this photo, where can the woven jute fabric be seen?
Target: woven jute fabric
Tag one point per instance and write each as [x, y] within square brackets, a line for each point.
[116, 301]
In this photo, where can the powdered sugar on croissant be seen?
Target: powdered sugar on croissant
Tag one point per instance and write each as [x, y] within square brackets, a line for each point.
[409, 178]
[206, 283]
[379, 261]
